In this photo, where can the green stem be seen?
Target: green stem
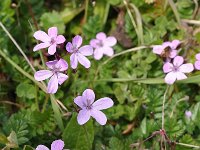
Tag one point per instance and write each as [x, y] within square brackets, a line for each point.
[21, 70]
[86, 10]
[163, 108]
[188, 145]
[18, 47]
[106, 13]
[45, 103]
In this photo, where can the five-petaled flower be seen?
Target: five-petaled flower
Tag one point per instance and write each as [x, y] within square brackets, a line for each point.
[79, 53]
[167, 49]
[90, 108]
[55, 74]
[56, 145]
[102, 45]
[176, 70]
[197, 63]
[51, 40]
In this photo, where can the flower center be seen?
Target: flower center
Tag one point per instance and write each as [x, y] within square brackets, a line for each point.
[89, 107]
[175, 69]
[100, 43]
[52, 41]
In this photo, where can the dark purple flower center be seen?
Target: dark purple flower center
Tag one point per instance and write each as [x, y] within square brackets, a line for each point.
[100, 43]
[175, 68]
[53, 41]
[89, 107]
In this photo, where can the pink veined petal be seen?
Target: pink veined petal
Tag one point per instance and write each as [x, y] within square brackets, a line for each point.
[110, 41]
[61, 78]
[52, 49]
[157, 49]
[198, 56]
[197, 65]
[167, 67]
[41, 46]
[108, 51]
[89, 96]
[61, 65]
[175, 44]
[83, 61]
[173, 53]
[74, 61]
[60, 39]
[98, 53]
[166, 44]
[186, 68]
[170, 78]
[69, 47]
[77, 41]
[41, 147]
[94, 43]
[43, 75]
[80, 101]
[53, 84]
[101, 36]
[83, 116]
[180, 76]
[99, 116]
[53, 32]
[103, 103]
[42, 36]
[51, 64]
[86, 50]
[57, 145]
[178, 60]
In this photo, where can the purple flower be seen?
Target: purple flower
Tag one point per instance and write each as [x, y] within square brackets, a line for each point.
[54, 73]
[102, 45]
[56, 145]
[188, 114]
[170, 46]
[90, 108]
[197, 63]
[79, 53]
[51, 40]
[176, 70]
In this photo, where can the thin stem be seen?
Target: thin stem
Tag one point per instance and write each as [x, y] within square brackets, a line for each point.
[196, 9]
[36, 98]
[18, 47]
[86, 10]
[106, 13]
[45, 102]
[163, 108]
[194, 22]
[187, 145]
[22, 71]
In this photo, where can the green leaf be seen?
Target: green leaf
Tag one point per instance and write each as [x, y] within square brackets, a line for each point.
[28, 147]
[116, 143]
[78, 137]
[12, 138]
[26, 90]
[3, 139]
[143, 126]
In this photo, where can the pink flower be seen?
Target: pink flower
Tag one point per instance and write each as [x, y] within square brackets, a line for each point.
[197, 63]
[51, 40]
[161, 49]
[54, 73]
[79, 53]
[176, 70]
[90, 108]
[102, 45]
[188, 114]
[56, 145]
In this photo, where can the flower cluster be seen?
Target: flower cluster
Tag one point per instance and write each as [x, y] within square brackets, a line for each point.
[57, 68]
[174, 65]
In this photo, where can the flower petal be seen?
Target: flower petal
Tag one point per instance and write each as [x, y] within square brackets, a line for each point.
[53, 84]
[83, 61]
[77, 41]
[83, 116]
[69, 47]
[51, 64]
[41, 147]
[62, 65]
[108, 51]
[170, 78]
[86, 50]
[101, 36]
[197, 65]
[57, 145]
[73, 61]
[174, 44]
[103, 103]
[89, 95]
[41, 46]
[60, 39]
[99, 116]
[178, 60]
[62, 77]
[43, 75]
[167, 67]
[180, 76]
[198, 56]
[42, 36]
[98, 53]
[186, 68]
[110, 41]
[94, 43]
[173, 53]
[52, 49]
[53, 32]
[157, 49]
[80, 101]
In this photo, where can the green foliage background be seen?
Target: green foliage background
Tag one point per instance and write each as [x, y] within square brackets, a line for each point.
[133, 80]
